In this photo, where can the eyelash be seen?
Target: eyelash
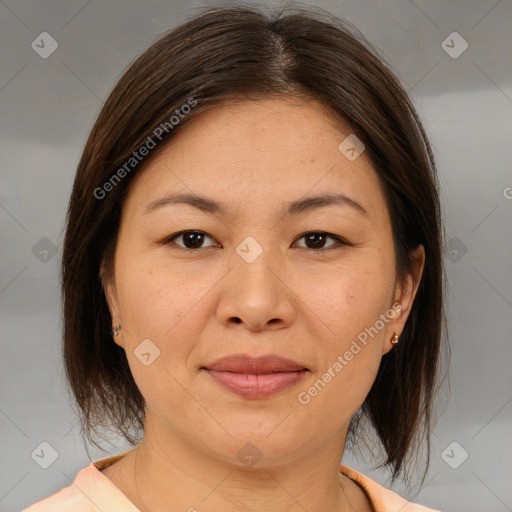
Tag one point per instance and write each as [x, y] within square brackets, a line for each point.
[339, 240]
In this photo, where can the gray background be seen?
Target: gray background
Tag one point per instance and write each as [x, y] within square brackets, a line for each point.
[47, 107]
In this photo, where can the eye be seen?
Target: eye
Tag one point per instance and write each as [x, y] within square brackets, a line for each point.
[191, 239]
[315, 240]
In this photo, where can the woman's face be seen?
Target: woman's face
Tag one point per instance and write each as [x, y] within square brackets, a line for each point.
[255, 275]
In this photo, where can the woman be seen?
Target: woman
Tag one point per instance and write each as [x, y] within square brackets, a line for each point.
[252, 270]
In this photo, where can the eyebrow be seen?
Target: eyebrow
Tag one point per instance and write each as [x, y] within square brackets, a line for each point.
[293, 208]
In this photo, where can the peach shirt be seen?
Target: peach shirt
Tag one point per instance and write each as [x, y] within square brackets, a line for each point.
[92, 491]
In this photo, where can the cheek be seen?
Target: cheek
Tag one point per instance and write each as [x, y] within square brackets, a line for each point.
[350, 355]
[349, 298]
[157, 308]
[165, 306]
[149, 302]
[154, 297]
[348, 307]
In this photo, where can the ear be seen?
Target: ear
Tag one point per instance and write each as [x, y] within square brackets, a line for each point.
[404, 296]
[109, 289]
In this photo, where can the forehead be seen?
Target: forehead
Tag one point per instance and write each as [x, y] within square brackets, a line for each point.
[260, 151]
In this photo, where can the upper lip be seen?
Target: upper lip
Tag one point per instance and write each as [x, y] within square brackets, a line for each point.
[242, 363]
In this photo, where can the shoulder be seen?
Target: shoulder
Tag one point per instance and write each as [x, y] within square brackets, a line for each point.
[382, 499]
[90, 491]
[68, 498]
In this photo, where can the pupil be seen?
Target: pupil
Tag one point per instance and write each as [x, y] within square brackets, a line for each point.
[311, 237]
[196, 244]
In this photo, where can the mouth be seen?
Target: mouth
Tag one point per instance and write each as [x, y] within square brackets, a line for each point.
[256, 378]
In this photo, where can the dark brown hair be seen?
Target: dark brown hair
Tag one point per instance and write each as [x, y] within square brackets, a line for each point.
[243, 52]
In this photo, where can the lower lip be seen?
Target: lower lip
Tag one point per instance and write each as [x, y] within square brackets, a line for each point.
[257, 386]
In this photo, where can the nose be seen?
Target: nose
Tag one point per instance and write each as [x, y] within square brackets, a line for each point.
[256, 295]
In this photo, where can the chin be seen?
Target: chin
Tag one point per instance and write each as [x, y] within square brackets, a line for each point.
[251, 447]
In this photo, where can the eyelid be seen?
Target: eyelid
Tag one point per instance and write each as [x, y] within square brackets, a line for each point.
[171, 238]
[340, 240]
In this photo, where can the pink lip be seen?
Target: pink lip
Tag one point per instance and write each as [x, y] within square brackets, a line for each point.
[258, 377]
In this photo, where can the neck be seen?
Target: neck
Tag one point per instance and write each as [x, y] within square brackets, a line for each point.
[171, 472]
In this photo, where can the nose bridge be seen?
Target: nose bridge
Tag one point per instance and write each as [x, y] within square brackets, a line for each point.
[256, 261]
[253, 292]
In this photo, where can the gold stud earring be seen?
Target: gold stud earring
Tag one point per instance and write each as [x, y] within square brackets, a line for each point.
[394, 339]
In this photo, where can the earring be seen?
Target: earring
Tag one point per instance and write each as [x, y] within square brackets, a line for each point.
[115, 330]
[394, 339]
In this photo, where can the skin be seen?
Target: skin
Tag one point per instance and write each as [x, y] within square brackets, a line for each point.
[197, 305]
